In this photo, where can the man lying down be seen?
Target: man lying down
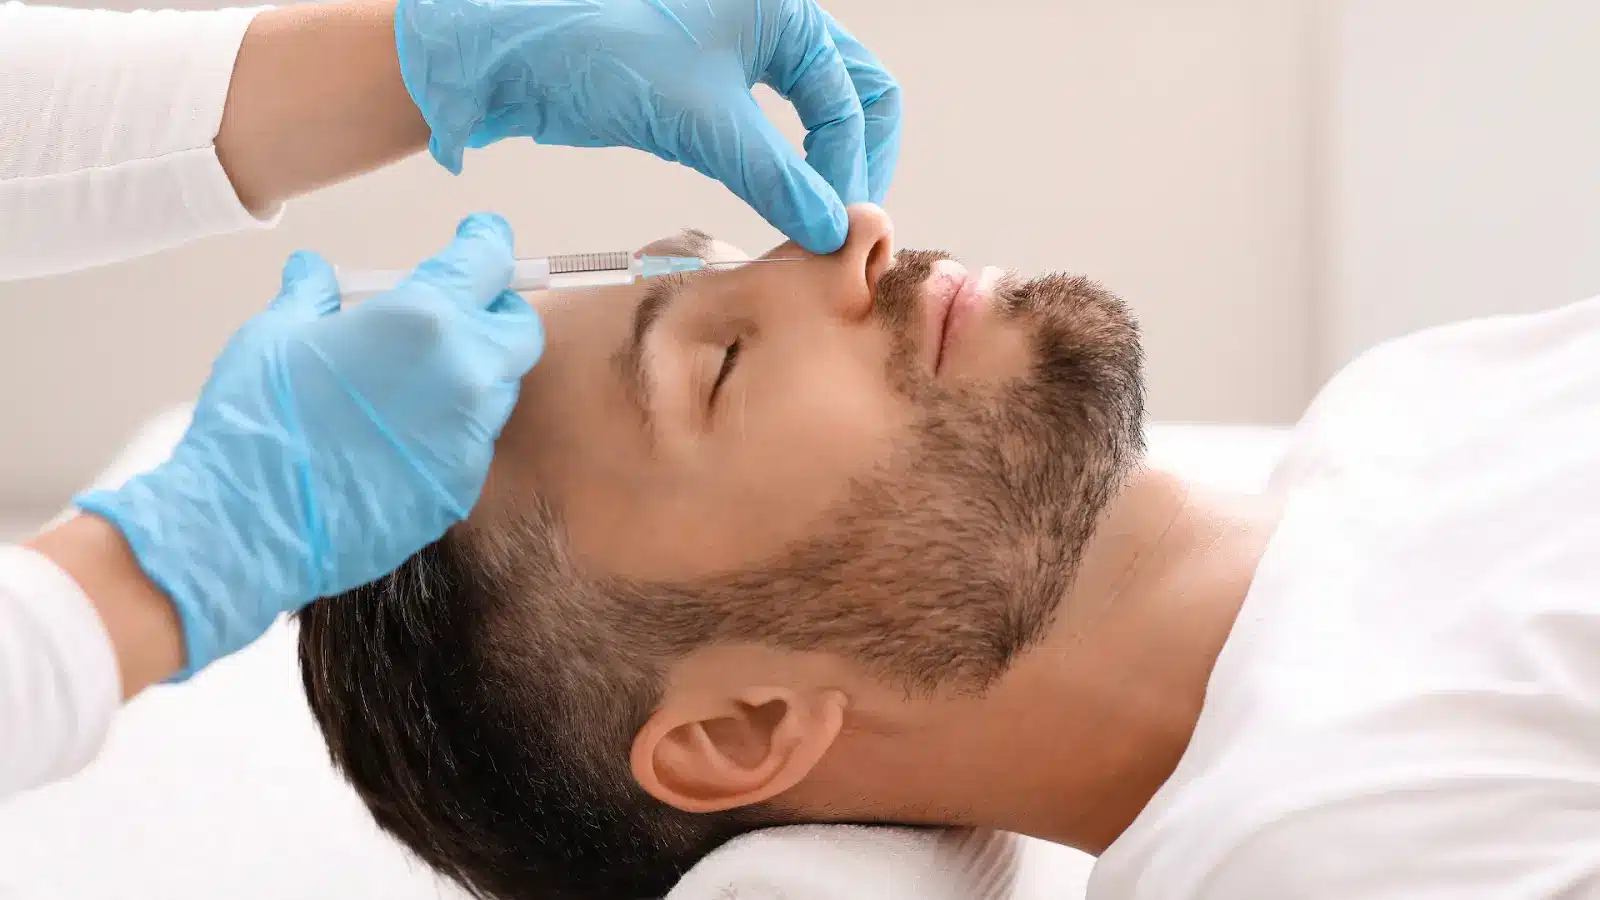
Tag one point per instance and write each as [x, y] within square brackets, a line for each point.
[869, 538]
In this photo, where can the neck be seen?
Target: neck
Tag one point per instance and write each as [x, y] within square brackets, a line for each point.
[1127, 665]
[1074, 741]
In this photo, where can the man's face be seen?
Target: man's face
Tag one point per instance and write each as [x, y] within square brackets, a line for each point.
[879, 466]
[689, 427]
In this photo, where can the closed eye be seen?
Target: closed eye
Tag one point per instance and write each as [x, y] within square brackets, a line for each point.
[729, 359]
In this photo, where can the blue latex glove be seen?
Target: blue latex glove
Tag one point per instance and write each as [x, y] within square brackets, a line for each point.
[328, 446]
[671, 77]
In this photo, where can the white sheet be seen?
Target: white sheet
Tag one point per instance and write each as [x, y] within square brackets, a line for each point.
[222, 788]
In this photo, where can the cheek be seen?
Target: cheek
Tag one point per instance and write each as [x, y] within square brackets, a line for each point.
[796, 433]
[789, 441]
[818, 417]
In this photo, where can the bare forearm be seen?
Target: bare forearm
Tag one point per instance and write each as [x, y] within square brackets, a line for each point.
[141, 621]
[316, 98]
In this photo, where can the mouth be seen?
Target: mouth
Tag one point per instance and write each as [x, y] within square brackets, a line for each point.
[948, 279]
[954, 304]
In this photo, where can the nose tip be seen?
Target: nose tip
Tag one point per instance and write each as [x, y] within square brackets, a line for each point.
[867, 253]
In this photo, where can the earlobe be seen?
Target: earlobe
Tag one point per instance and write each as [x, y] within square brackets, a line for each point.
[735, 751]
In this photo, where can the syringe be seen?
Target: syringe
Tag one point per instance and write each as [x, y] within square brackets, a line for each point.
[542, 273]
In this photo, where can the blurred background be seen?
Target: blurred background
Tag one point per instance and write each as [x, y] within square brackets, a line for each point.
[1274, 185]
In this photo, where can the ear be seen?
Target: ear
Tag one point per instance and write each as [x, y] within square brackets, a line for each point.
[724, 753]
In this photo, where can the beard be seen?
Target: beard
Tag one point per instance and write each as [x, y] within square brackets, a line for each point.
[952, 558]
[974, 535]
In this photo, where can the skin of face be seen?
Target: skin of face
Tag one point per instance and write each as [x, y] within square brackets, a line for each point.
[690, 426]
[735, 424]
[670, 480]
[861, 538]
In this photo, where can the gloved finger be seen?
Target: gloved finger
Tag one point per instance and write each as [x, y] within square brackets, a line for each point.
[806, 68]
[516, 329]
[880, 105]
[737, 145]
[309, 286]
[475, 268]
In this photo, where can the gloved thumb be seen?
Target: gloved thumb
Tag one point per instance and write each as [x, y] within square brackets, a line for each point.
[516, 330]
[310, 288]
[475, 268]
[746, 152]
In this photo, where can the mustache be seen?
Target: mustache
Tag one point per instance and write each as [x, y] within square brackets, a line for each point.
[1071, 314]
[894, 297]
[1054, 294]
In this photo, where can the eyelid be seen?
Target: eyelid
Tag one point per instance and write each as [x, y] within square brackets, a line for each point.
[728, 334]
[729, 361]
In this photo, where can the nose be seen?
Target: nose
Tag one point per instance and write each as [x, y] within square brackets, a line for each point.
[867, 253]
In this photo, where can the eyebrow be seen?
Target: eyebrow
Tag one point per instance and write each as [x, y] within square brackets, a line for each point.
[658, 296]
[637, 382]
[688, 242]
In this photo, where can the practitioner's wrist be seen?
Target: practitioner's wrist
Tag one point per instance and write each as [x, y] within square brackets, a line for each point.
[140, 620]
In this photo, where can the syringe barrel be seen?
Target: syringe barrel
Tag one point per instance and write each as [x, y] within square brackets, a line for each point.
[531, 274]
[366, 282]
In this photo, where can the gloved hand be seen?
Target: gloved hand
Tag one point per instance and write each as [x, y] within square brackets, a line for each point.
[330, 445]
[671, 77]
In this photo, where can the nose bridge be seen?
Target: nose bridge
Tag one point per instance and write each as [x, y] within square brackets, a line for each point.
[865, 256]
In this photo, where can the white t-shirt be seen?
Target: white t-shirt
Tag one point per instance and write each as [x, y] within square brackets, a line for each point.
[1409, 704]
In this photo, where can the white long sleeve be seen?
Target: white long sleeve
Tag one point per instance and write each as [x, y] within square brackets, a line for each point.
[59, 686]
[107, 123]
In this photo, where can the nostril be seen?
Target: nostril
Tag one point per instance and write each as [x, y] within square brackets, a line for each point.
[880, 256]
[878, 260]
[866, 256]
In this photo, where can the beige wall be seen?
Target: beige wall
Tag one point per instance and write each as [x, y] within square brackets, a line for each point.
[1160, 146]
[1463, 164]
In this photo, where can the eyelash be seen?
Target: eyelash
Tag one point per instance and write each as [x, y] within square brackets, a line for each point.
[729, 358]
